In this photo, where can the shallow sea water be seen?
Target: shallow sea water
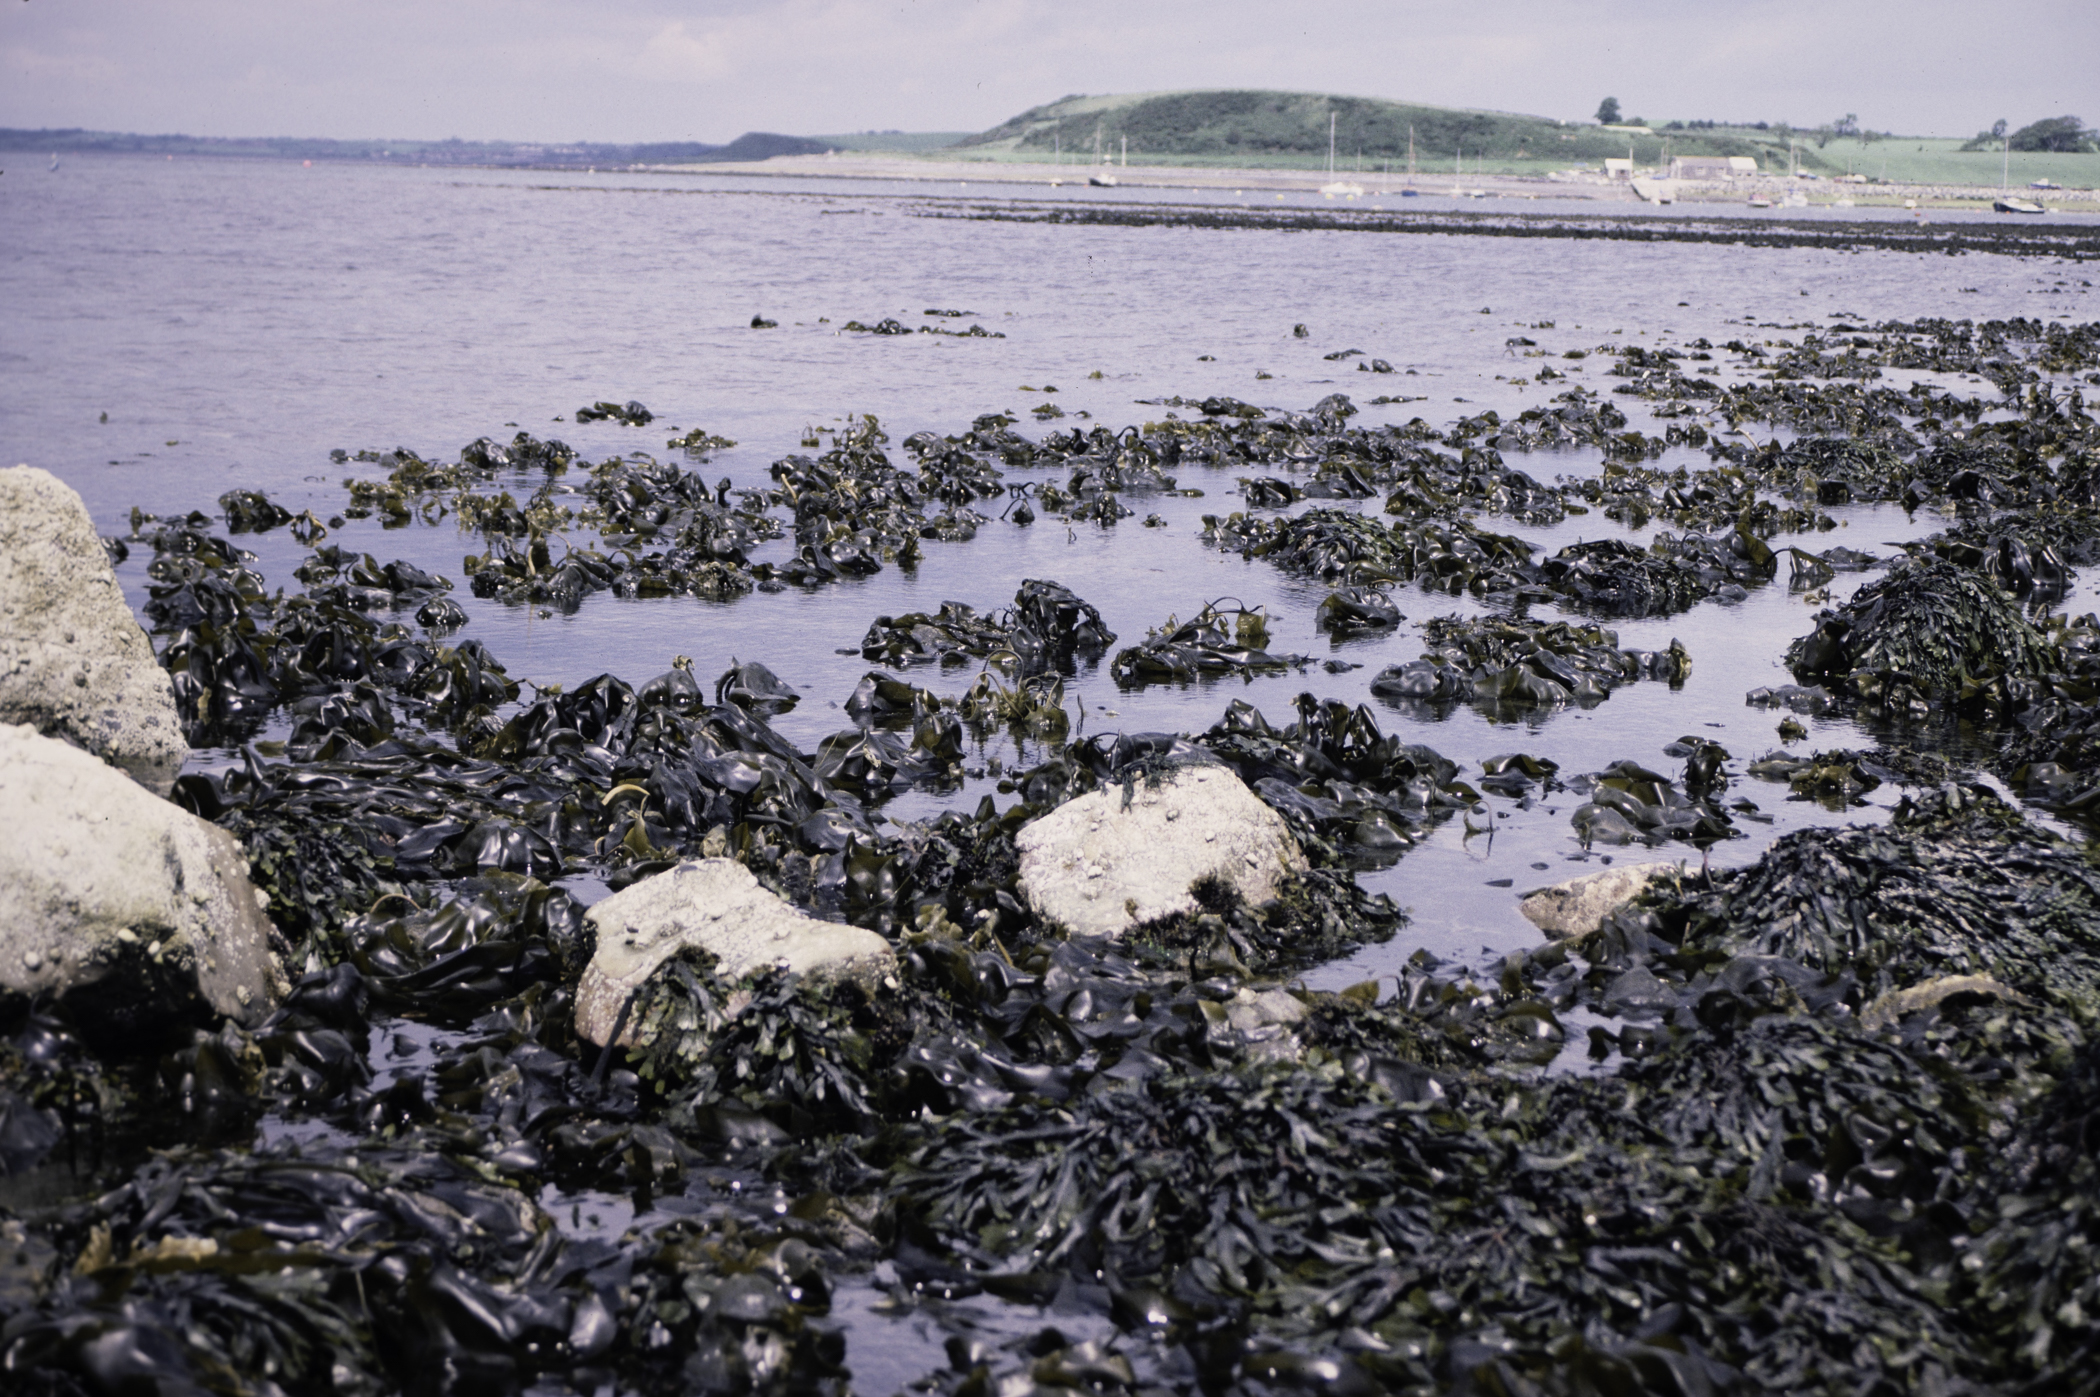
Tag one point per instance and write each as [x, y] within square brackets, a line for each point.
[236, 320]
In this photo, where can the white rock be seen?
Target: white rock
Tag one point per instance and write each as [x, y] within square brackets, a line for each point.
[73, 660]
[1580, 905]
[129, 907]
[719, 907]
[1098, 869]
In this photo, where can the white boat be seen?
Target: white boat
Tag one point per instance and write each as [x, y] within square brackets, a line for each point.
[1102, 181]
[2045, 184]
[54, 162]
[1342, 189]
[1759, 201]
[2012, 205]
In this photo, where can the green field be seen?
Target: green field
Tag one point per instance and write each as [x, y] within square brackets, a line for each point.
[1925, 160]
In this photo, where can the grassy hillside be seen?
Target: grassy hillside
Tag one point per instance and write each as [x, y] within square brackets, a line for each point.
[1290, 128]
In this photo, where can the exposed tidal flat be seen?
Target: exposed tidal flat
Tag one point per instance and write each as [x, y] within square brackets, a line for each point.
[1462, 553]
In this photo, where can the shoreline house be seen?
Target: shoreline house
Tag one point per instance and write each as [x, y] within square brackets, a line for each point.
[1712, 166]
[1618, 169]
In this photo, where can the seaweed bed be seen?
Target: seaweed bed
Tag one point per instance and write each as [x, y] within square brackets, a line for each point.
[1840, 1132]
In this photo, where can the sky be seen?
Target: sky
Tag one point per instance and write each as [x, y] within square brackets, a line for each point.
[709, 70]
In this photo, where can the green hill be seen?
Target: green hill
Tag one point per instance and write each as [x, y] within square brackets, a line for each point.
[1248, 127]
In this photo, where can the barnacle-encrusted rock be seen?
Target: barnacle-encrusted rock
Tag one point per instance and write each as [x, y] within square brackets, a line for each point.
[73, 661]
[1103, 863]
[1580, 905]
[717, 906]
[130, 908]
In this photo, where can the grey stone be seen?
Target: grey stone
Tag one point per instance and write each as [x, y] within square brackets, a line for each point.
[1099, 869]
[1580, 905]
[132, 909]
[714, 905]
[73, 660]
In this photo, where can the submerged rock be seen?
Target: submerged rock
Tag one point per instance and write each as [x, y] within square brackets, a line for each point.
[1579, 906]
[1104, 863]
[717, 906]
[73, 660]
[130, 909]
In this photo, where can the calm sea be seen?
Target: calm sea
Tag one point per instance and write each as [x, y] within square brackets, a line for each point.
[237, 320]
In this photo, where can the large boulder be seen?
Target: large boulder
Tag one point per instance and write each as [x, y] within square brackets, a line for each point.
[1108, 861]
[73, 660]
[714, 905]
[134, 912]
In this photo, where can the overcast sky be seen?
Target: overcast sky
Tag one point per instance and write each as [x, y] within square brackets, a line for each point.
[651, 70]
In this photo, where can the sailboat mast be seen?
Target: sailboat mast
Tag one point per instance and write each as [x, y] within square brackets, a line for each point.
[1330, 145]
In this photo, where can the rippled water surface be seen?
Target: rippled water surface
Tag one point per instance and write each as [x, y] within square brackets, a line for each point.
[236, 320]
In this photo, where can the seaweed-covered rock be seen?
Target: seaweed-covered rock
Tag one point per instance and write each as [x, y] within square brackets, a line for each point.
[130, 909]
[716, 906]
[954, 635]
[1060, 620]
[1180, 651]
[2037, 1283]
[1928, 632]
[1616, 578]
[630, 412]
[1627, 803]
[1349, 610]
[1048, 624]
[1115, 858]
[1349, 792]
[73, 661]
[1956, 884]
[1512, 662]
[1338, 545]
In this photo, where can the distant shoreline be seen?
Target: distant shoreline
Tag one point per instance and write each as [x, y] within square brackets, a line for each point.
[922, 169]
[1822, 193]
